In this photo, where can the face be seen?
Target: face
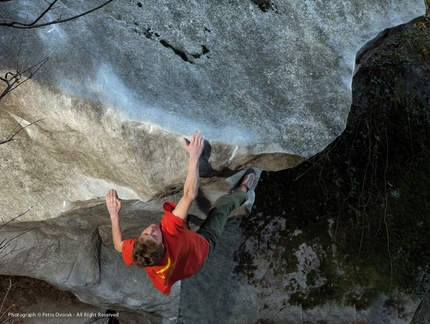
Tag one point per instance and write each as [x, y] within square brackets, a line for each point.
[153, 233]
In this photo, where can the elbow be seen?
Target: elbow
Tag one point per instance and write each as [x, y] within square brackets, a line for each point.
[191, 195]
[118, 246]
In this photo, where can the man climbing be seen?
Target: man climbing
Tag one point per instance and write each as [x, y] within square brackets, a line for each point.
[170, 252]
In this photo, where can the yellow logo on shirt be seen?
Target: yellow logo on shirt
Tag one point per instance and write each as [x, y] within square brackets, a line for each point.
[161, 272]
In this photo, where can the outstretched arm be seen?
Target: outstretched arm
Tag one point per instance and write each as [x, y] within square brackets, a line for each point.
[191, 186]
[113, 204]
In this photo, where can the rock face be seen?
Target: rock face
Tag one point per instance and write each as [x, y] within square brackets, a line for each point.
[75, 252]
[268, 82]
[263, 295]
[422, 314]
[82, 260]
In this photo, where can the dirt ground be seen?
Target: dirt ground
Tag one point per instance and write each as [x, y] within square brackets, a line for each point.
[23, 295]
[22, 292]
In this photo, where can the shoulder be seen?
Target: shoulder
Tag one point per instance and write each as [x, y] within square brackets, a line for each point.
[171, 223]
[127, 251]
[169, 206]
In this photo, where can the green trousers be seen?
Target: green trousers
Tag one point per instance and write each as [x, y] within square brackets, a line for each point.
[213, 225]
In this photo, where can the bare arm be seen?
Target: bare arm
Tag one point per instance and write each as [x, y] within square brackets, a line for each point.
[191, 186]
[113, 205]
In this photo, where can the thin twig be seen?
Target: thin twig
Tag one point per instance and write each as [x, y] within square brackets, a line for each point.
[12, 135]
[313, 163]
[10, 240]
[13, 79]
[338, 216]
[4, 300]
[22, 214]
[386, 212]
[34, 24]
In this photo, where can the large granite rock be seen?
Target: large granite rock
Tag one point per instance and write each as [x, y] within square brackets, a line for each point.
[268, 82]
[75, 252]
[225, 292]
[82, 260]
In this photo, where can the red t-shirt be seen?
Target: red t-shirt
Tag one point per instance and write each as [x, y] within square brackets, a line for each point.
[185, 254]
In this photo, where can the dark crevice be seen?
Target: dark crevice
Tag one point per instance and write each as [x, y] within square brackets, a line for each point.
[149, 33]
[182, 54]
[264, 5]
[205, 50]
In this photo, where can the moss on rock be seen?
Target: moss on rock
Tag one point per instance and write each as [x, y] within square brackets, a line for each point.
[362, 203]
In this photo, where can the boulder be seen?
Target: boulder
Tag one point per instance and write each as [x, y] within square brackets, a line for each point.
[268, 82]
[422, 313]
[75, 252]
[82, 260]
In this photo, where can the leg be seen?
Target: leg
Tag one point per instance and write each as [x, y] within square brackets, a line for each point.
[213, 225]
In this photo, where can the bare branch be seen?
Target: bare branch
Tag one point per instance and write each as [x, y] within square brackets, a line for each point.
[15, 132]
[14, 79]
[22, 214]
[2, 313]
[35, 23]
[5, 243]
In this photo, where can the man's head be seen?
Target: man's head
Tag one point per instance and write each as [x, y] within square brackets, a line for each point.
[148, 248]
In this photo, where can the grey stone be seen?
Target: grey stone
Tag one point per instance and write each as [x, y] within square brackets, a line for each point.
[74, 252]
[268, 82]
[422, 313]
[231, 69]
[223, 292]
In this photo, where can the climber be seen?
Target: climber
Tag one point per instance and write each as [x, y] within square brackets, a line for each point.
[169, 251]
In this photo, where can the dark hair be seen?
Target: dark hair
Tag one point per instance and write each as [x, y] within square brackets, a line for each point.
[146, 252]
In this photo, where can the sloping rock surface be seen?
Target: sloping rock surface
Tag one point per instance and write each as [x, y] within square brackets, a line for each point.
[268, 82]
[75, 252]
[82, 260]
